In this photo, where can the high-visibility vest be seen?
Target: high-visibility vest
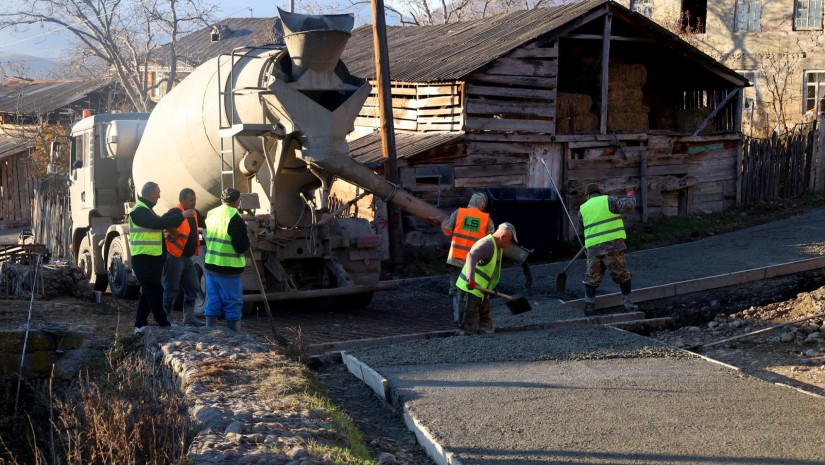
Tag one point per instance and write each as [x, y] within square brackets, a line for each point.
[600, 224]
[486, 275]
[470, 226]
[219, 250]
[177, 237]
[144, 241]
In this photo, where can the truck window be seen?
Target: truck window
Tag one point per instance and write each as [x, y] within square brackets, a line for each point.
[77, 153]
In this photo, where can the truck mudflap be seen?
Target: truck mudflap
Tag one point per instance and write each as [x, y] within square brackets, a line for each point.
[334, 292]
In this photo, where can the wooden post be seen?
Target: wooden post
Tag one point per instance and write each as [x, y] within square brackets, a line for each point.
[643, 184]
[605, 59]
[819, 154]
[388, 149]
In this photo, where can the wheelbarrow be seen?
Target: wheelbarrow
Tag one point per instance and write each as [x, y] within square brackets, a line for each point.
[516, 304]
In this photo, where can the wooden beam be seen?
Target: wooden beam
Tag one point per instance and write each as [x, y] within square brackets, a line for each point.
[731, 94]
[608, 18]
[598, 37]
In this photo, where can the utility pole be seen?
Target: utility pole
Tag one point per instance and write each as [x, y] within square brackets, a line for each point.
[388, 150]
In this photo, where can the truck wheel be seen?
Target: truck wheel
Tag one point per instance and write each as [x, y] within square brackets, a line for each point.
[85, 263]
[200, 300]
[118, 274]
[353, 302]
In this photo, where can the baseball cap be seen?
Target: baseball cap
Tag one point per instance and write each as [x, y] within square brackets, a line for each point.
[509, 228]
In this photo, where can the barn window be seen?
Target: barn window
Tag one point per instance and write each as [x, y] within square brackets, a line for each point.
[694, 15]
[814, 90]
[808, 14]
[748, 15]
[643, 7]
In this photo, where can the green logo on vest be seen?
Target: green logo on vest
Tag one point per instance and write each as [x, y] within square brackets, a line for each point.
[471, 224]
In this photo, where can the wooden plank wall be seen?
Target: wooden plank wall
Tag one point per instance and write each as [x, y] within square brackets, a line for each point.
[516, 93]
[16, 189]
[417, 107]
[684, 175]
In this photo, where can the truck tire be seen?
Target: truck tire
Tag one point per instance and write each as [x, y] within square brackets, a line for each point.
[86, 263]
[118, 273]
[200, 300]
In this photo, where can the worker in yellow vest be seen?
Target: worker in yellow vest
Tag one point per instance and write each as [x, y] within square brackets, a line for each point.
[600, 221]
[482, 269]
[226, 242]
[149, 254]
[464, 227]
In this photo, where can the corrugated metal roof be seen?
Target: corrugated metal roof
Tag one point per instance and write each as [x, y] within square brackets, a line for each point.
[197, 47]
[33, 97]
[367, 150]
[452, 51]
[12, 146]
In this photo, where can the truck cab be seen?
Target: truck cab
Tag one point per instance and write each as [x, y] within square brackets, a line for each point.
[102, 149]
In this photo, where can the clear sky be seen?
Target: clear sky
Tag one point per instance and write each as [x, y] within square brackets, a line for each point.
[48, 42]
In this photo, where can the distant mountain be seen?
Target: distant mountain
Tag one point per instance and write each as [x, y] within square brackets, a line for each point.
[28, 66]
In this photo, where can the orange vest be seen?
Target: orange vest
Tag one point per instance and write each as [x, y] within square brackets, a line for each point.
[176, 238]
[470, 226]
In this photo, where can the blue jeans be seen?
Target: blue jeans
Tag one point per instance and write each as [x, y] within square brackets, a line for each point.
[224, 296]
[179, 272]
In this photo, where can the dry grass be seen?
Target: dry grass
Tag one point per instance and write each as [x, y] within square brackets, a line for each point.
[121, 410]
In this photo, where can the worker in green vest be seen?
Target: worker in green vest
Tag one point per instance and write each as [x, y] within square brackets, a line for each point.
[600, 221]
[227, 240]
[482, 269]
[148, 251]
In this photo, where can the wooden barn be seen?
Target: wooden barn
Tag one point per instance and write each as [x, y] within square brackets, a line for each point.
[565, 96]
[25, 107]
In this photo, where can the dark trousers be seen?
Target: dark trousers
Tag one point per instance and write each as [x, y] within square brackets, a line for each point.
[149, 271]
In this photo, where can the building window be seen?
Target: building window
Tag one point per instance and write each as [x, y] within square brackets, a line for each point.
[694, 15]
[814, 90]
[751, 94]
[748, 14]
[643, 7]
[808, 14]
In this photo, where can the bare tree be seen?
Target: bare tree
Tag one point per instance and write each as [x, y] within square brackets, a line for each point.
[430, 12]
[121, 34]
[778, 72]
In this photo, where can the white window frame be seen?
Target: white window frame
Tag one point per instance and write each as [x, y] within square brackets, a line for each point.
[819, 89]
[804, 11]
[643, 7]
[748, 17]
[753, 77]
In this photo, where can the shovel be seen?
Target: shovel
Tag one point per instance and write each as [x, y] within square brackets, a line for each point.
[516, 304]
[561, 279]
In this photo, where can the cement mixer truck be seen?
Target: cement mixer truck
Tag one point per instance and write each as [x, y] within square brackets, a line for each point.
[268, 121]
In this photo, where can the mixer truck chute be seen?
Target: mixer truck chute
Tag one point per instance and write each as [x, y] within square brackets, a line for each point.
[272, 123]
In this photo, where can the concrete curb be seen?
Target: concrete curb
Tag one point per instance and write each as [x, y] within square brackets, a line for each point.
[370, 377]
[703, 284]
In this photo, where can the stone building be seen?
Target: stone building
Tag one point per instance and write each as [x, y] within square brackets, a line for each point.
[776, 44]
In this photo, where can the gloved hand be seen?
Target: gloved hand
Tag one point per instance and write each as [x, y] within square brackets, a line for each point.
[631, 193]
[471, 285]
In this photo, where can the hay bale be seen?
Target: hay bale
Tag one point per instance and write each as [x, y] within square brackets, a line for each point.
[631, 75]
[689, 119]
[581, 123]
[577, 104]
[627, 121]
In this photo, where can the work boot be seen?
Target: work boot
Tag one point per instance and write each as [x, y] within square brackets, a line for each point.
[630, 306]
[234, 325]
[589, 308]
[189, 318]
[211, 321]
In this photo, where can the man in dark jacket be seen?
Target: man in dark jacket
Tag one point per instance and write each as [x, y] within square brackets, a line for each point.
[148, 254]
[226, 241]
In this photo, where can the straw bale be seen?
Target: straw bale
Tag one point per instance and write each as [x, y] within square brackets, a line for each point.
[578, 104]
[587, 122]
[689, 119]
[631, 75]
[627, 121]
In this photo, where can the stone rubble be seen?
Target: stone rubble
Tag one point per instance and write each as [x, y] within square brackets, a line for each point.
[232, 422]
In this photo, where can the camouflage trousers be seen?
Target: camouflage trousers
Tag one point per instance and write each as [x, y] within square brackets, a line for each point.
[477, 318]
[614, 262]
